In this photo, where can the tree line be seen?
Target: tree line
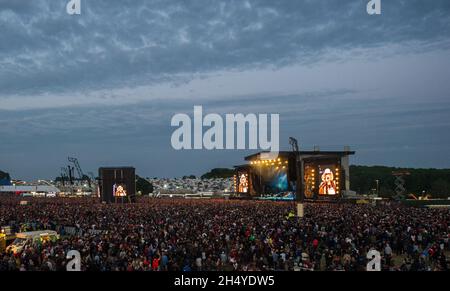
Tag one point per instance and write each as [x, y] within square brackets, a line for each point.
[435, 182]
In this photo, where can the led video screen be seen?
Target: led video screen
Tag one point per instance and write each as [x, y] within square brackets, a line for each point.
[243, 184]
[119, 190]
[329, 180]
[321, 179]
[279, 182]
[117, 183]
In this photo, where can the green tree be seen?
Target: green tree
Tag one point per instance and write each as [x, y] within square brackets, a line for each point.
[219, 173]
[440, 188]
[143, 186]
[434, 181]
[4, 175]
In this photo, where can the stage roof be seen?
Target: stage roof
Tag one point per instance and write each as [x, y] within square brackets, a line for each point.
[304, 153]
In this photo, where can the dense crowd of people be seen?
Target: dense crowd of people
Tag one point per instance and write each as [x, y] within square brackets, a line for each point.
[185, 235]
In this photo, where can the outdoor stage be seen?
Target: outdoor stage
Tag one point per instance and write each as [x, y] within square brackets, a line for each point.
[325, 176]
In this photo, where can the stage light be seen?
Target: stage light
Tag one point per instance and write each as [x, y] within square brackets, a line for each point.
[279, 159]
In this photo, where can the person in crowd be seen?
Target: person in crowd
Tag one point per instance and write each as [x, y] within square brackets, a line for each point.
[226, 235]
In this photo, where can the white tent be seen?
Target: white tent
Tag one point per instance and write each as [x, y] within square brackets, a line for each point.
[30, 189]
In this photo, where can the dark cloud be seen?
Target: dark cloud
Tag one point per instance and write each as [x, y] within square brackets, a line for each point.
[99, 85]
[387, 132]
[118, 43]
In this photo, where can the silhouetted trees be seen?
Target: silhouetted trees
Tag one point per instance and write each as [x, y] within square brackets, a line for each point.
[4, 176]
[219, 173]
[433, 181]
[143, 186]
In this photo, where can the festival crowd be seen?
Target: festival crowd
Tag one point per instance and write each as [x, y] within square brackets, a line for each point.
[226, 235]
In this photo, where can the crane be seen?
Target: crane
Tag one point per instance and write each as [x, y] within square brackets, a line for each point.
[91, 176]
[81, 175]
[294, 143]
[64, 175]
[74, 161]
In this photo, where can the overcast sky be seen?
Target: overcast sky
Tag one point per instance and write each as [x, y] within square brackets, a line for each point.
[104, 85]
